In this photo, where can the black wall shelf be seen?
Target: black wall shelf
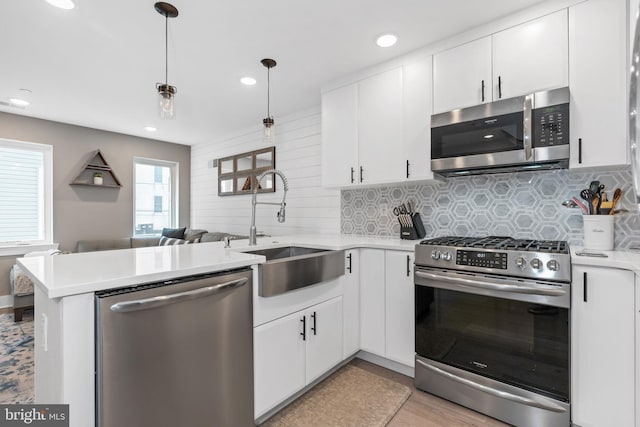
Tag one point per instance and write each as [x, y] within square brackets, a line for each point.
[97, 165]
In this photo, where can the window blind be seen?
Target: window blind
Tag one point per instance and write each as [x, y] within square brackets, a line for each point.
[22, 216]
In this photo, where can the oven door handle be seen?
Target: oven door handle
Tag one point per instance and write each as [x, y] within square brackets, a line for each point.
[537, 403]
[513, 287]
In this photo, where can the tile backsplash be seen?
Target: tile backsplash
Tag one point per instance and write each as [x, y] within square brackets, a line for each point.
[521, 205]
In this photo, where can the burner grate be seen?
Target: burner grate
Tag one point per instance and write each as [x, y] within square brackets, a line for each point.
[500, 242]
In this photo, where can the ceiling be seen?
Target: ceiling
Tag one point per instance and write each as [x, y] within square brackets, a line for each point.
[97, 65]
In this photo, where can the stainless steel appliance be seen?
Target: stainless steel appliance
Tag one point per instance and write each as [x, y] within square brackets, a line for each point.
[492, 326]
[176, 353]
[525, 133]
[634, 108]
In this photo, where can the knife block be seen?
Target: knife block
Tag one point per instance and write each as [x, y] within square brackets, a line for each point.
[416, 231]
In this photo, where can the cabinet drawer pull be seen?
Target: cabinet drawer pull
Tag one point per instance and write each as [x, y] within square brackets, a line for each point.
[315, 326]
[361, 171]
[584, 286]
[352, 172]
[580, 150]
[349, 269]
[407, 168]
[304, 328]
[499, 87]
[408, 265]
[482, 90]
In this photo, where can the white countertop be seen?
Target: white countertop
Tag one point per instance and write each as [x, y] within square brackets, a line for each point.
[72, 274]
[625, 260]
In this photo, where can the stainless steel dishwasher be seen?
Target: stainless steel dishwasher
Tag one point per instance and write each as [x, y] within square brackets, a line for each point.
[176, 353]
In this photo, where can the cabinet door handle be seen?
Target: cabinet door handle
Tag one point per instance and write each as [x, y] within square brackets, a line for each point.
[482, 90]
[499, 87]
[407, 168]
[408, 266]
[580, 150]
[349, 266]
[361, 171]
[352, 172]
[314, 327]
[304, 328]
[584, 286]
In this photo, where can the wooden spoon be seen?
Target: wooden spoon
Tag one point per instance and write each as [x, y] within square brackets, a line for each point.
[617, 195]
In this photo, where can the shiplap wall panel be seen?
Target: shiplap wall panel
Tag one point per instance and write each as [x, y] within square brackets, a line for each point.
[310, 208]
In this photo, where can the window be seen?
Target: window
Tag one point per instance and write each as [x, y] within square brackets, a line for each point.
[157, 204]
[25, 192]
[155, 195]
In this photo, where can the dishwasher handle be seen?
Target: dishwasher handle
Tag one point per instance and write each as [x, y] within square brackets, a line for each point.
[162, 300]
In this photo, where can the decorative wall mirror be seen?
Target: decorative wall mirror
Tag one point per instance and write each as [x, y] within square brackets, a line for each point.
[237, 174]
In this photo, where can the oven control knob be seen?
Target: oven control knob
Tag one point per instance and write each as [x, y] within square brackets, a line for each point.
[435, 255]
[536, 264]
[553, 265]
[446, 256]
[521, 262]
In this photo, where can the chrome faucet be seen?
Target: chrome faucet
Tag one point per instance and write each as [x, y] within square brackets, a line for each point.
[254, 202]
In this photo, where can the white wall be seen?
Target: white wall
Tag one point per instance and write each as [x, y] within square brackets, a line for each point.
[310, 208]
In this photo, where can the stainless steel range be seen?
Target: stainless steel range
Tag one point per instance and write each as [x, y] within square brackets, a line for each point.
[492, 326]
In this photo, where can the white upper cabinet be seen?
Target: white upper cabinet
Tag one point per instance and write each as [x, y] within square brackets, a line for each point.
[339, 136]
[462, 76]
[417, 83]
[526, 58]
[377, 131]
[380, 128]
[531, 57]
[598, 78]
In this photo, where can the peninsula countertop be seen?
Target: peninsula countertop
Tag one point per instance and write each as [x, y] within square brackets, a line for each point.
[72, 274]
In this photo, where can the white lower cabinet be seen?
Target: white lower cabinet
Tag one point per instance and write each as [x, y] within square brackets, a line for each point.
[386, 304]
[294, 350]
[399, 313]
[602, 347]
[351, 303]
[372, 319]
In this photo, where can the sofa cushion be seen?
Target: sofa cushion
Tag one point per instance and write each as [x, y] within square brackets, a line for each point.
[175, 233]
[143, 242]
[169, 241]
[103, 244]
[193, 233]
[217, 236]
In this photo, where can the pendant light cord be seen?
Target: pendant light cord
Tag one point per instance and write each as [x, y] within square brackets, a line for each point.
[166, 49]
[268, 89]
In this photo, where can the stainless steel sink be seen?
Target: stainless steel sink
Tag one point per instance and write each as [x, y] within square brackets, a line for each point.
[294, 267]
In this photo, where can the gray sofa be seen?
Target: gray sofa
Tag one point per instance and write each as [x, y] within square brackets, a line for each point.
[141, 242]
[22, 287]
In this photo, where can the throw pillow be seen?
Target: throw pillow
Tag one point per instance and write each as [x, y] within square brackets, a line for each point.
[168, 241]
[175, 233]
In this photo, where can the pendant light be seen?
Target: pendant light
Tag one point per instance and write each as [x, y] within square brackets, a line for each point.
[166, 92]
[268, 135]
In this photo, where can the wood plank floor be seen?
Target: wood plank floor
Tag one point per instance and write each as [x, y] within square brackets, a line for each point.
[426, 410]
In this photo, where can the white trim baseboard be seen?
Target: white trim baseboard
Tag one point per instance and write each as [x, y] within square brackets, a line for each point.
[6, 301]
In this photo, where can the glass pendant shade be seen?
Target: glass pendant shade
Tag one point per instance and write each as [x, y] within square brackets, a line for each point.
[166, 100]
[268, 134]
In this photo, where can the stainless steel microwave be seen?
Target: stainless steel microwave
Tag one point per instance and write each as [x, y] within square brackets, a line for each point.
[528, 132]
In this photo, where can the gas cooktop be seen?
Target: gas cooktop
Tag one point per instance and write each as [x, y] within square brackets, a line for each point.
[497, 242]
[497, 255]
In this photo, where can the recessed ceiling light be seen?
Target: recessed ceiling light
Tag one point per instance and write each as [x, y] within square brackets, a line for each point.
[21, 99]
[386, 40]
[249, 81]
[150, 129]
[62, 4]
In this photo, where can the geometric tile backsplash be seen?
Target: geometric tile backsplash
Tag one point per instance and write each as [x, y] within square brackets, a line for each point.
[520, 205]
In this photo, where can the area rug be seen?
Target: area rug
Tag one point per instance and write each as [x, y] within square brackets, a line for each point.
[351, 397]
[16, 359]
